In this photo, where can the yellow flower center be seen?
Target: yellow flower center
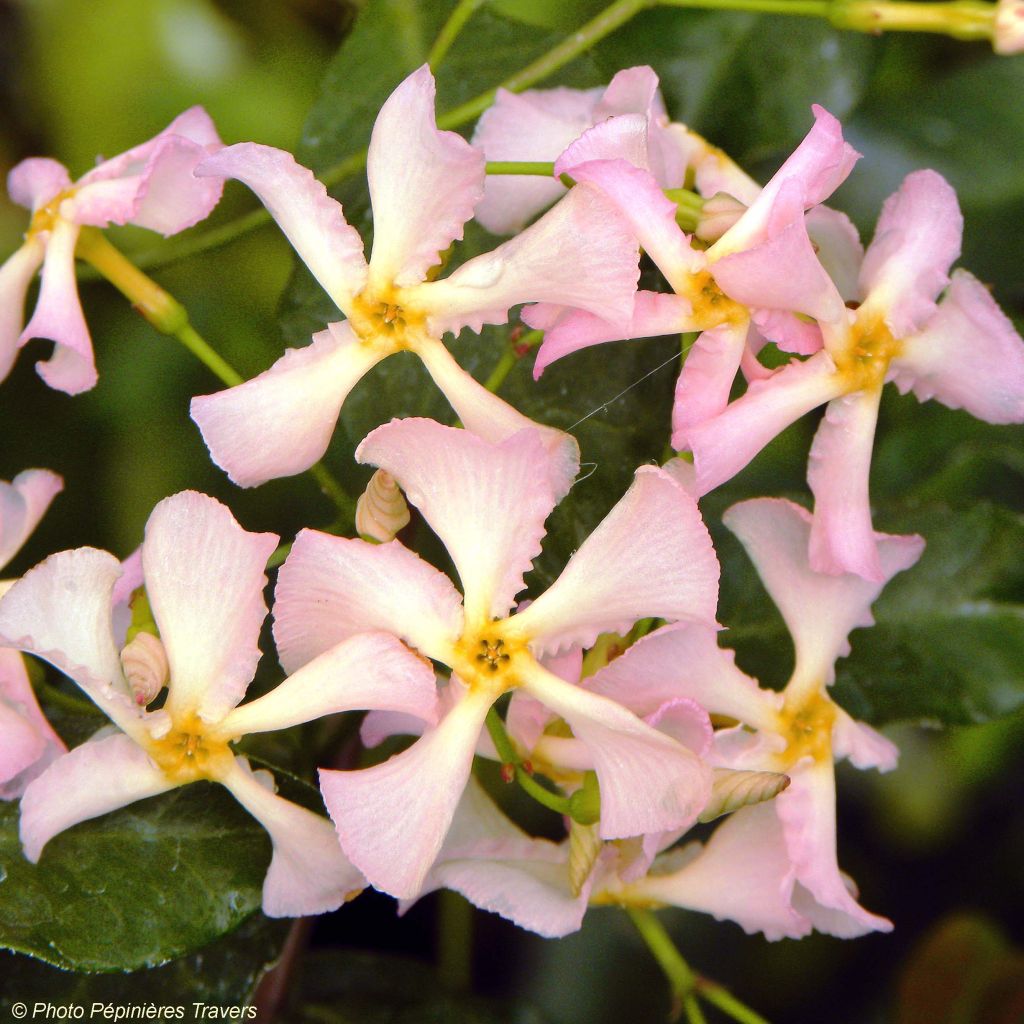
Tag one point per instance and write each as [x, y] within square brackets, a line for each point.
[807, 728]
[488, 659]
[46, 216]
[380, 318]
[870, 349]
[188, 753]
[711, 306]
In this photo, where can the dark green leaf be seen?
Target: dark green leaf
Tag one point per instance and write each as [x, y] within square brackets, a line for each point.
[136, 887]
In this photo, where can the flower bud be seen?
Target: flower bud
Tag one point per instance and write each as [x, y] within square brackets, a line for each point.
[145, 665]
[381, 510]
[584, 848]
[1008, 34]
[720, 212]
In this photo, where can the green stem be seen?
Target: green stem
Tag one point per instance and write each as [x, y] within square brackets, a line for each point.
[508, 755]
[681, 978]
[694, 1014]
[512, 354]
[455, 942]
[727, 1002]
[536, 167]
[461, 13]
[170, 317]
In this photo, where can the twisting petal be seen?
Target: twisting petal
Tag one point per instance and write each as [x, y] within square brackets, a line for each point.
[621, 572]
[580, 254]
[23, 503]
[569, 330]
[704, 383]
[820, 611]
[742, 874]
[487, 503]
[204, 578]
[424, 184]
[392, 818]
[58, 317]
[684, 660]
[968, 356]
[35, 181]
[308, 873]
[622, 137]
[842, 538]
[724, 444]
[370, 670]
[279, 423]
[917, 238]
[15, 276]
[807, 810]
[534, 125]
[61, 612]
[493, 419]
[97, 777]
[648, 781]
[839, 248]
[330, 588]
[865, 747]
[314, 222]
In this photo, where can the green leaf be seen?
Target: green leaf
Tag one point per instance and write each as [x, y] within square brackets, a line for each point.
[948, 645]
[134, 888]
[224, 973]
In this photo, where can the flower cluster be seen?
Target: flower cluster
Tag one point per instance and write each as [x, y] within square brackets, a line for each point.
[610, 685]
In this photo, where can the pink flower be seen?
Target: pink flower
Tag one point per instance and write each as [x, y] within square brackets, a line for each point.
[751, 282]
[424, 185]
[204, 578]
[27, 741]
[773, 867]
[151, 186]
[488, 504]
[961, 350]
[538, 125]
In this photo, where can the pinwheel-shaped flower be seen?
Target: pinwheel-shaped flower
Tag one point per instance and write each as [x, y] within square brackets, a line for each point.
[27, 741]
[204, 578]
[488, 504]
[961, 350]
[424, 185]
[752, 281]
[151, 186]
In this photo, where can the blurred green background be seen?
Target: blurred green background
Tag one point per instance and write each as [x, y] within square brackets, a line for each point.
[944, 835]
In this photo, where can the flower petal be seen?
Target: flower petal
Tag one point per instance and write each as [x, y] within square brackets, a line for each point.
[838, 245]
[486, 502]
[330, 588]
[36, 181]
[819, 610]
[424, 184]
[313, 222]
[534, 125]
[684, 660]
[58, 317]
[95, 778]
[724, 444]
[917, 238]
[61, 612]
[204, 578]
[620, 572]
[579, 254]
[569, 330]
[308, 872]
[23, 502]
[392, 818]
[369, 670]
[280, 422]
[15, 276]
[648, 782]
[865, 747]
[741, 874]
[967, 356]
[707, 376]
[807, 810]
[493, 419]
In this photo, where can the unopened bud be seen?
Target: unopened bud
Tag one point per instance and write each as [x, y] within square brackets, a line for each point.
[584, 848]
[585, 803]
[720, 212]
[145, 665]
[732, 790]
[381, 510]
[1008, 33]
